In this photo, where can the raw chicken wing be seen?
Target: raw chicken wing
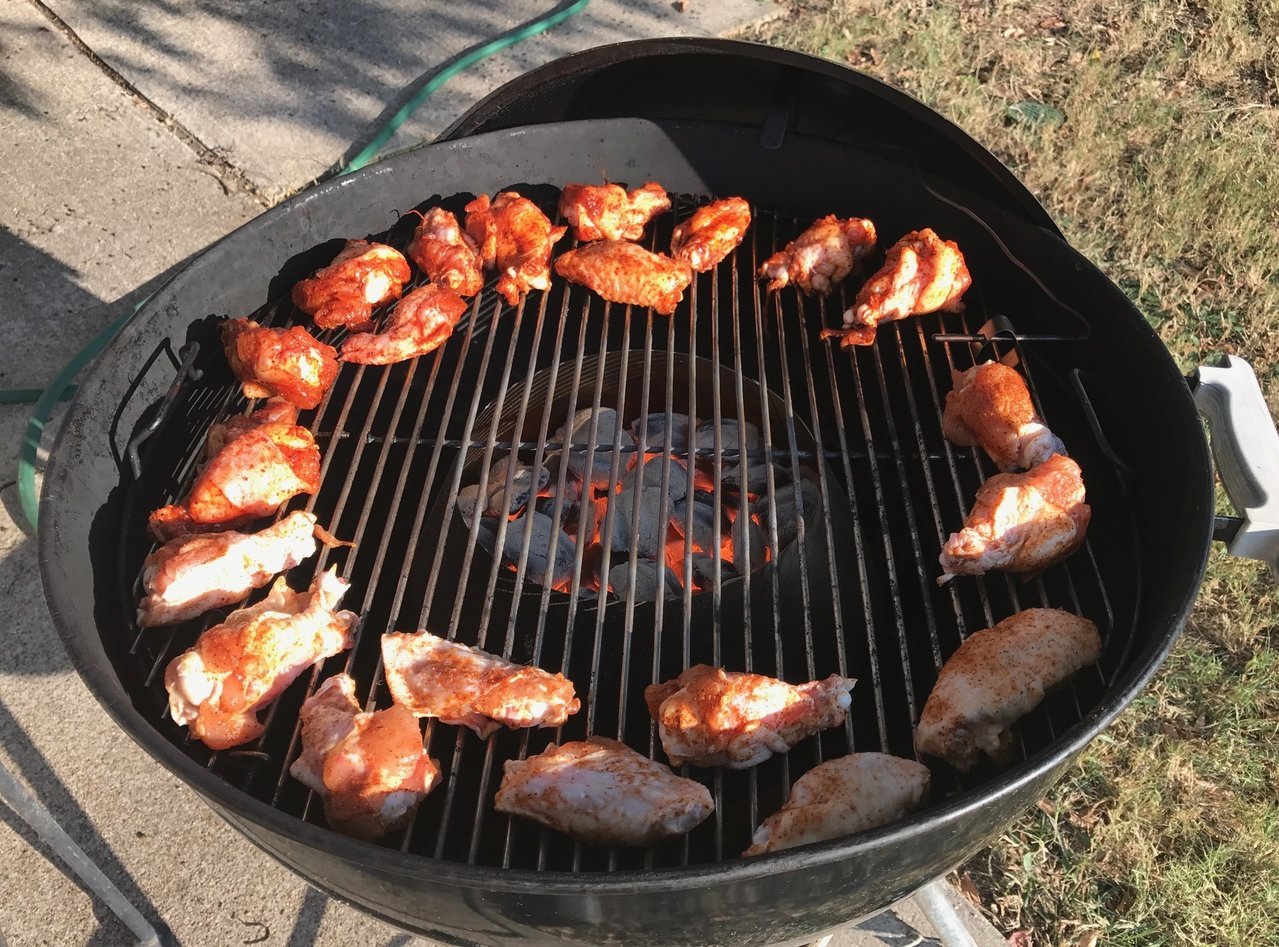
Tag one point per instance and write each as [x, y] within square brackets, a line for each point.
[921, 274]
[851, 794]
[187, 577]
[607, 212]
[249, 477]
[515, 238]
[289, 363]
[344, 293]
[446, 254]
[471, 688]
[989, 407]
[626, 273]
[275, 410]
[240, 666]
[820, 257]
[421, 322]
[601, 791]
[1021, 522]
[712, 233]
[369, 769]
[711, 717]
[997, 677]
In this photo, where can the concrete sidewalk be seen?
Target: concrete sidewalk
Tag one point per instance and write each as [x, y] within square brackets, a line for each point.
[134, 135]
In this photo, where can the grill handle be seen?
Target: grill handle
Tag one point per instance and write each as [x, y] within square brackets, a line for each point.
[1245, 446]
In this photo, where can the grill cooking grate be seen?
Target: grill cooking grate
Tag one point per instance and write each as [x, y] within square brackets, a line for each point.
[855, 594]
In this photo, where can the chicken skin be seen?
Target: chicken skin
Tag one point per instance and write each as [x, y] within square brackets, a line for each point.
[446, 254]
[997, 677]
[601, 791]
[421, 322]
[819, 258]
[1021, 522]
[250, 477]
[851, 794]
[369, 769]
[515, 239]
[607, 212]
[921, 274]
[711, 717]
[344, 293]
[990, 407]
[712, 233]
[274, 411]
[471, 688]
[626, 273]
[288, 363]
[186, 577]
[238, 667]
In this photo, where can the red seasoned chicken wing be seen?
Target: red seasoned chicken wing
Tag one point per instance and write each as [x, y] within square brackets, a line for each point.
[515, 239]
[820, 257]
[289, 363]
[421, 322]
[607, 212]
[712, 233]
[990, 407]
[624, 272]
[369, 769]
[344, 293]
[446, 253]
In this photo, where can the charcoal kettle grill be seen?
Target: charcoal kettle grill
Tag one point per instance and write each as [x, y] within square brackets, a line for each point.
[854, 593]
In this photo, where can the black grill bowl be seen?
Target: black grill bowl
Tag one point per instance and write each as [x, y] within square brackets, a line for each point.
[1105, 383]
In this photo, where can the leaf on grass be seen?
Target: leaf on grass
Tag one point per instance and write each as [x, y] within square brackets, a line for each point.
[1034, 113]
[1021, 939]
[968, 888]
[1088, 939]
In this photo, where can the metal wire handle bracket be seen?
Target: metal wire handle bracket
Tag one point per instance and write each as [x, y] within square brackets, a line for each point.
[186, 370]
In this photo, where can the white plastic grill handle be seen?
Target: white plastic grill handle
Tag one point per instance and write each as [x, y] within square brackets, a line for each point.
[1245, 446]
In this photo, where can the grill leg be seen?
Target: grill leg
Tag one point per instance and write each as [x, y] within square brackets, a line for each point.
[37, 816]
[932, 901]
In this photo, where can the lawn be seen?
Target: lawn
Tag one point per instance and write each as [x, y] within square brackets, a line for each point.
[1150, 131]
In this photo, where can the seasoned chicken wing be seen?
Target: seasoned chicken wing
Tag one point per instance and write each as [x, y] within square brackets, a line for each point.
[289, 363]
[249, 477]
[854, 793]
[990, 407]
[274, 411]
[997, 677]
[820, 257]
[712, 233]
[421, 322]
[446, 253]
[515, 238]
[607, 212]
[711, 717]
[1021, 522]
[626, 273]
[921, 274]
[601, 791]
[186, 577]
[471, 688]
[344, 293]
[238, 667]
[369, 769]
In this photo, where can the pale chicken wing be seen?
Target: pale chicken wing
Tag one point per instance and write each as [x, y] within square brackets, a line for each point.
[421, 322]
[188, 576]
[990, 407]
[626, 273]
[274, 411]
[601, 791]
[997, 677]
[248, 478]
[344, 293]
[446, 253]
[854, 793]
[515, 239]
[921, 274]
[468, 687]
[1021, 522]
[607, 212]
[819, 258]
[238, 667]
[369, 769]
[711, 717]
[289, 363]
[712, 233]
